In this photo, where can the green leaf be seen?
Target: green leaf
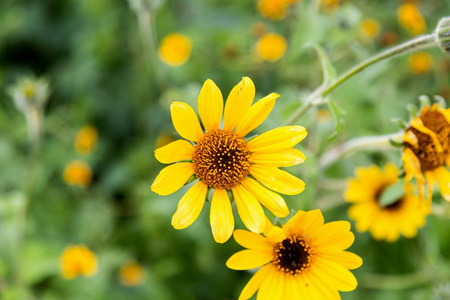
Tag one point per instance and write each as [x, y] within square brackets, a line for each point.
[400, 123]
[328, 71]
[338, 120]
[391, 194]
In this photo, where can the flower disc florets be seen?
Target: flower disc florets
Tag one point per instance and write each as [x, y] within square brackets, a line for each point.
[293, 255]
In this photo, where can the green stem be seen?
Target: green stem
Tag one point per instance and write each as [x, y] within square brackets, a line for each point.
[418, 43]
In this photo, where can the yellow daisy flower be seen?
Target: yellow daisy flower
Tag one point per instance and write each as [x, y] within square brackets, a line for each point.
[85, 140]
[223, 160]
[78, 173]
[420, 62]
[271, 47]
[404, 216]
[131, 274]
[411, 19]
[303, 260]
[427, 150]
[175, 49]
[77, 260]
[273, 9]
[370, 28]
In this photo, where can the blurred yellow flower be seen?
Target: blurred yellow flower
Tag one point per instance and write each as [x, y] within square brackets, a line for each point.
[175, 49]
[273, 9]
[132, 274]
[370, 28]
[411, 19]
[85, 140]
[427, 150]
[221, 159]
[330, 6]
[78, 173]
[77, 260]
[271, 47]
[404, 216]
[306, 259]
[420, 62]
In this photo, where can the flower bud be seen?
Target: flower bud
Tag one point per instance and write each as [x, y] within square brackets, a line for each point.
[29, 93]
[443, 34]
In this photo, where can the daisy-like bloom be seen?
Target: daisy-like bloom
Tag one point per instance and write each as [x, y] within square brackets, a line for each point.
[77, 260]
[223, 160]
[427, 150]
[131, 274]
[85, 140]
[420, 63]
[330, 6]
[370, 28]
[410, 18]
[306, 259]
[271, 47]
[175, 49]
[273, 9]
[78, 173]
[385, 222]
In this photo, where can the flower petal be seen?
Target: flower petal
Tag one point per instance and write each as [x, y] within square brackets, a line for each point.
[172, 178]
[412, 166]
[238, 103]
[210, 105]
[443, 180]
[347, 259]
[252, 240]
[277, 180]
[418, 124]
[304, 223]
[272, 287]
[272, 201]
[318, 290]
[255, 282]
[185, 121]
[249, 209]
[277, 139]
[175, 151]
[285, 158]
[249, 259]
[190, 206]
[334, 275]
[257, 113]
[221, 216]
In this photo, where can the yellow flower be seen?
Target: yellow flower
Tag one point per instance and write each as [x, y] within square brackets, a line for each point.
[330, 6]
[306, 259]
[404, 216]
[78, 173]
[273, 9]
[77, 260]
[427, 150]
[85, 140]
[132, 274]
[411, 19]
[223, 160]
[271, 47]
[175, 49]
[420, 62]
[370, 28]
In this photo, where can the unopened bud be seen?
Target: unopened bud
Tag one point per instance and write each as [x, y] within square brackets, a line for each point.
[443, 34]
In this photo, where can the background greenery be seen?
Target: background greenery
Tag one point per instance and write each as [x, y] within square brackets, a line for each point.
[99, 72]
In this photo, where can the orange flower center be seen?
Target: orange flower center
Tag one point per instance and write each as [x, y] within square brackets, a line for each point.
[293, 255]
[426, 151]
[221, 159]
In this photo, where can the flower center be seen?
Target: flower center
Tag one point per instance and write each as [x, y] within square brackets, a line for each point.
[293, 255]
[396, 205]
[221, 159]
[426, 152]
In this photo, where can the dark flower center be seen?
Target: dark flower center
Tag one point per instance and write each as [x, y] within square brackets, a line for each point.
[293, 255]
[221, 159]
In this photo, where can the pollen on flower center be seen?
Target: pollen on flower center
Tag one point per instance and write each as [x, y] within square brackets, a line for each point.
[429, 156]
[221, 159]
[293, 255]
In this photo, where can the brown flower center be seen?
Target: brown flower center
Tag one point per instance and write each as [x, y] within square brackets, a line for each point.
[396, 205]
[426, 151]
[221, 159]
[293, 255]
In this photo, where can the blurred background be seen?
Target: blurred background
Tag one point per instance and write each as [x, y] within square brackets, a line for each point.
[85, 89]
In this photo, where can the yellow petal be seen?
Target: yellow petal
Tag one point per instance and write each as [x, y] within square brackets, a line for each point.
[210, 105]
[318, 290]
[276, 234]
[252, 240]
[304, 223]
[277, 139]
[255, 282]
[249, 259]
[272, 287]
[175, 151]
[418, 124]
[172, 178]
[443, 180]
[238, 103]
[249, 209]
[267, 227]
[272, 201]
[446, 114]
[412, 166]
[190, 206]
[285, 158]
[277, 180]
[411, 139]
[257, 113]
[221, 216]
[334, 275]
[291, 288]
[185, 121]
[347, 259]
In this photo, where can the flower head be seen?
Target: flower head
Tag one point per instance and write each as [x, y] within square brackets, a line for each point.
[131, 274]
[220, 158]
[411, 19]
[271, 47]
[370, 28]
[175, 49]
[306, 259]
[427, 150]
[273, 9]
[78, 173]
[385, 222]
[77, 260]
[330, 6]
[85, 140]
[420, 62]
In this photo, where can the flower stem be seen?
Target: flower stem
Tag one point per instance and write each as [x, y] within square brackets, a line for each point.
[418, 43]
